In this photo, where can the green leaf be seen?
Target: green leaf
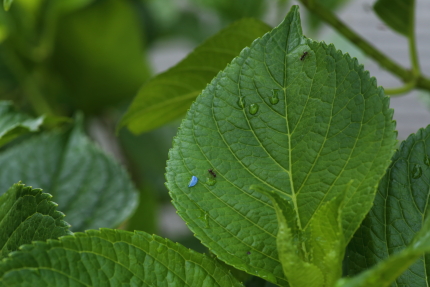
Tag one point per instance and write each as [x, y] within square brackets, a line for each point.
[14, 124]
[398, 14]
[170, 94]
[7, 4]
[26, 215]
[401, 204]
[386, 272]
[111, 258]
[91, 188]
[291, 115]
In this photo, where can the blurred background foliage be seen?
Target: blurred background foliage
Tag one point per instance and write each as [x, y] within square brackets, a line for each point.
[58, 57]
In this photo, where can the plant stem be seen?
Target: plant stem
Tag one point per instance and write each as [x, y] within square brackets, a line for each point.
[401, 90]
[406, 75]
[412, 44]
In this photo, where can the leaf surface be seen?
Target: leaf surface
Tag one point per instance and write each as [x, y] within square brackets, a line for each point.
[26, 215]
[386, 272]
[398, 214]
[170, 94]
[398, 14]
[289, 114]
[91, 188]
[14, 124]
[112, 258]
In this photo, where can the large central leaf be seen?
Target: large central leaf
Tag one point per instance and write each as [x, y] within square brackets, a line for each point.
[288, 114]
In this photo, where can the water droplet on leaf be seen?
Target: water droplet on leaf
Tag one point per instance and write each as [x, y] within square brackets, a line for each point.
[427, 161]
[275, 97]
[241, 103]
[253, 109]
[161, 248]
[210, 181]
[417, 171]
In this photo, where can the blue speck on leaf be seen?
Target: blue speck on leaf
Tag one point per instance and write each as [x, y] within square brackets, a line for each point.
[193, 181]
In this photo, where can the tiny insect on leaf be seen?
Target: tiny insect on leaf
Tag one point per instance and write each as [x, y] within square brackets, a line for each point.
[303, 56]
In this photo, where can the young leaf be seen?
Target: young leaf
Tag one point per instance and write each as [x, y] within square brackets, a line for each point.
[170, 94]
[14, 124]
[398, 14]
[26, 215]
[291, 115]
[111, 258]
[91, 188]
[401, 205]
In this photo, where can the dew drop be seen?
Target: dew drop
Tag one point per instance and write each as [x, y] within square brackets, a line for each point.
[210, 181]
[275, 97]
[241, 103]
[205, 218]
[416, 171]
[427, 161]
[161, 248]
[253, 109]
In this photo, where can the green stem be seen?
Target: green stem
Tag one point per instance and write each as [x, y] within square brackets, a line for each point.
[404, 74]
[412, 44]
[401, 90]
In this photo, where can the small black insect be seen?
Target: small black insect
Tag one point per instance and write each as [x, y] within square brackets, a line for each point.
[303, 56]
[212, 172]
[248, 252]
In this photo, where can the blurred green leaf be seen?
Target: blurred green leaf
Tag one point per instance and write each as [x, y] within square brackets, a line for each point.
[112, 258]
[99, 55]
[235, 10]
[291, 115]
[27, 215]
[169, 95]
[91, 188]
[14, 124]
[399, 212]
[398, 14]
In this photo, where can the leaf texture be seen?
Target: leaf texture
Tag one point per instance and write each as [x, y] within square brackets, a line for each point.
[111, 258]
[289, 114]
[399, 212]
[26, 215]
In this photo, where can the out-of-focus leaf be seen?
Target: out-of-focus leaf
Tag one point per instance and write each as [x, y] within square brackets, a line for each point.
[234, 10]
[27, 215]
[291, 115]
[99, 55]
[91, 188]
[14, 124]
[399, 210]
[112, 258]
[398, 14]
[170, 94]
